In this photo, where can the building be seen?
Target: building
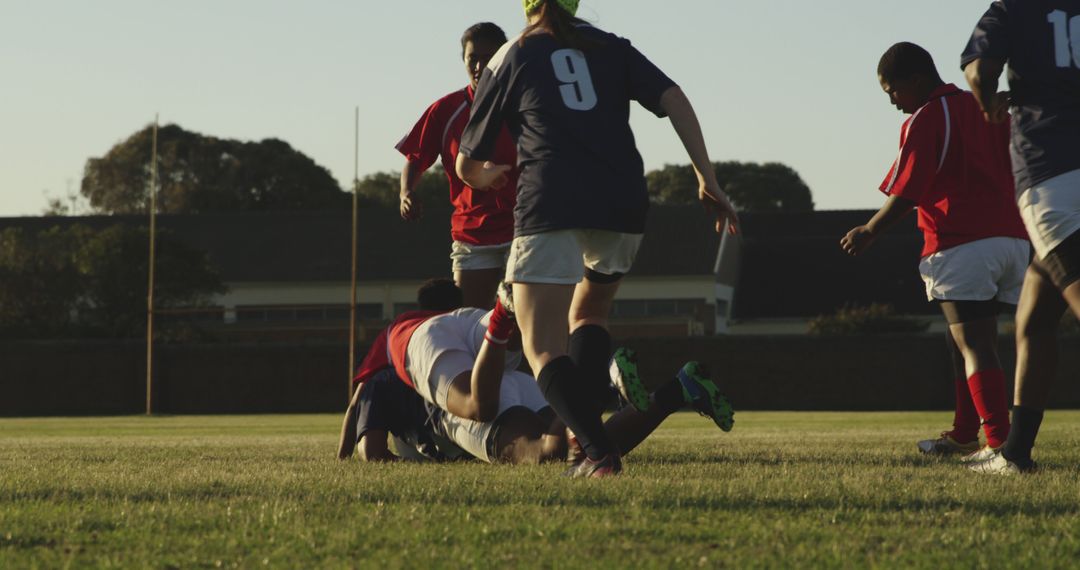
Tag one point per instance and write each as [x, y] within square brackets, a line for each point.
[288, 273]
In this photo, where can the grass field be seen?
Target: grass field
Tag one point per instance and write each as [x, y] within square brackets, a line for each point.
[781, 490]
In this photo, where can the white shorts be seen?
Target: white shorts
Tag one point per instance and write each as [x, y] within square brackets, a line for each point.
[477, 438]
[469, 257]
[982, 270]
[561, 256]
[1051, 211]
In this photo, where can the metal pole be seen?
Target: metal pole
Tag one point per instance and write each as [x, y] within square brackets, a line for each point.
[150, 288]
[355, 223]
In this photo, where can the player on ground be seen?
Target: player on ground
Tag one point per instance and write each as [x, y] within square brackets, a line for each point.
[1040, 40]
[387, 407]
[435, 296]
[482, 224]
[953, 168]
[564, 89]
[510, 422]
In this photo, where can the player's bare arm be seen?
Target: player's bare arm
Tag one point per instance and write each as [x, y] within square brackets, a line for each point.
[474, 394]
[480, 174]
[860, 238]
[347, 443]
[373, 447]
[685, 121]
[982, 76]
[411, 206]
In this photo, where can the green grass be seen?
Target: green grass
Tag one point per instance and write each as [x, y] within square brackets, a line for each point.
[781, 490]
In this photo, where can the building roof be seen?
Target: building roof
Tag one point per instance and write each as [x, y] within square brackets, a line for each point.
[792, 266]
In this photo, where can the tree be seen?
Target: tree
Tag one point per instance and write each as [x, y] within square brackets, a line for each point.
[198, 173]
[752, 187]
[77, 281]
[114, 266]
[39, 282]
[383, 188]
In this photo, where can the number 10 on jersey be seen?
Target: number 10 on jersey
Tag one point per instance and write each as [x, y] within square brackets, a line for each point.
[1066, 34]
[572, 71]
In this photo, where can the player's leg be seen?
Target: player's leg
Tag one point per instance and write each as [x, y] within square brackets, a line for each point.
[478, 271]
[1037, 318]
[973, 325]
[543, 269]
[478, 286]
[966, 421]
[963, 438]
[1062, 267]
[590, 341]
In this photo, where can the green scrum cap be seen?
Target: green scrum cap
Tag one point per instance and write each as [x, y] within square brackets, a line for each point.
[569, 5]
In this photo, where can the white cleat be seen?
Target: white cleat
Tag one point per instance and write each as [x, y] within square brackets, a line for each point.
[981, 455]
[996, 464]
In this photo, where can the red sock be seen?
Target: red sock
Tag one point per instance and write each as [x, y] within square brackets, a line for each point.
[966, 419]
[988, 394]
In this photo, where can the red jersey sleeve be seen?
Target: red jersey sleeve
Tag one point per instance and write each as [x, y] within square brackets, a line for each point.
[922, 144]
[375, 360]
[423, 144]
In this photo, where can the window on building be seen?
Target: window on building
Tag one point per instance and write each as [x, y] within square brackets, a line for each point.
[305, 313]
[636, 308]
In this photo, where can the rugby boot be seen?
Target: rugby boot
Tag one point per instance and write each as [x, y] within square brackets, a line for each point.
[704, 395]
[624, 375]
[946, 445]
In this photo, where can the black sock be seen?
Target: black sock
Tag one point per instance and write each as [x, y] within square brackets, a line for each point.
[669, 398]
[1022, 434]
[561, 383]
[590, 348]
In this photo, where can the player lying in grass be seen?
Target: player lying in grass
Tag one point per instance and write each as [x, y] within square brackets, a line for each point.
[953, 168]
[451, 380]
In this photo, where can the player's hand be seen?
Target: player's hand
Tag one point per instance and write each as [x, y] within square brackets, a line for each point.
[717, 204]
[857, 240]
[997, 109]
[492, 176]
[412, 208]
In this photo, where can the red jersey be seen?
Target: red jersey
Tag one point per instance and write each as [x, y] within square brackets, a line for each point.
[376, 359]
[378, 356]
[955, 166]
[480, 217]
[400, 332]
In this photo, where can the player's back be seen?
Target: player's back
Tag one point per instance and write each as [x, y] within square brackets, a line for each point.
[569, 109]
[980, 189]
[1040, 40]
[1044, 53]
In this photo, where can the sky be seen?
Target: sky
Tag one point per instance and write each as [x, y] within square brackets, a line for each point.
[787, 81]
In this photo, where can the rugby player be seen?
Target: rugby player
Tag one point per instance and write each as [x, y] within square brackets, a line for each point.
[1040, 41]
[564, 88]
[429, 398]
[482, 224]
[953, 169]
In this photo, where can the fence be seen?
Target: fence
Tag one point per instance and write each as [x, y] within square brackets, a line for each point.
[904, 372]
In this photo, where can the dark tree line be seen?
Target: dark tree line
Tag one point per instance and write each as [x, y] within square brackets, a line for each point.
[77, 281]
[200, 173]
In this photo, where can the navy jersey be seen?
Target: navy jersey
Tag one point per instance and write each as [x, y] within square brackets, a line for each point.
[1040, 40]
[569, 111]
